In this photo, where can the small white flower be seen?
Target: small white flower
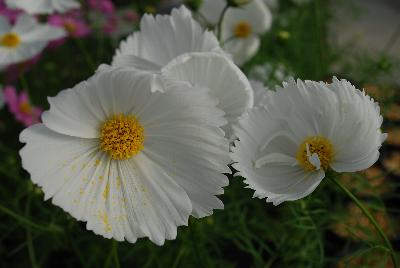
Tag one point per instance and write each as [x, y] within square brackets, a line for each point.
[218, 73]
[128, 159]
[25, 39]
[162, 38]
[241, 26]
[285, 147]
[43, 6]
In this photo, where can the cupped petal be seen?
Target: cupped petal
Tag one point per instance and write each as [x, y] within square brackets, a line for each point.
[225, 80]
[242, 49]
[360, 116]
[164, 37]
[183, 137]
[265, 155]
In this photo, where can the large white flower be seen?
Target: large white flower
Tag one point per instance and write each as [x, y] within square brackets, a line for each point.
[285, 147]
[163, 38]
[25, 39]
[127, 158]
[218, 73]
[241, 26]
[43, 6]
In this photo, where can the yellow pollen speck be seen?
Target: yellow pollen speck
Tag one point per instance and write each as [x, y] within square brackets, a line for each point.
[10, 40]
[318, 145]
[70, 27]
[97, 163]
[122, 136]
[106, 191]
[242, 29]
[104, 218]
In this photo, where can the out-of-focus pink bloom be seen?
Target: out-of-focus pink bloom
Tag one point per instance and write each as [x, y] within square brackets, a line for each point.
[20, 106]
[111, 24]
[10, 14]
[14, 71]
[130, 16]
[73, 22]
[104, 6]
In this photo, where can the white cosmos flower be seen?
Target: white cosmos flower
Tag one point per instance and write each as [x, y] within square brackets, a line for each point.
[241, 26]
[43, 6]
[285, 147]
[162, 38]
[25, 39]
[128, 159]
[218, 73]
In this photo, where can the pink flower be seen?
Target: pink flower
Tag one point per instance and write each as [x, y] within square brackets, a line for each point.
[73, 22]
[20, 106]
[10, 14]
[110, 25]
[104, 6]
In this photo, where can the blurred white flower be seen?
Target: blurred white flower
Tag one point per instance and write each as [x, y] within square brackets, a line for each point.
[260, 92]
[286, 146]
[43, 6]
[241, 27]
[25, 39]
[129, 160]
[218, 73]
[162, 38]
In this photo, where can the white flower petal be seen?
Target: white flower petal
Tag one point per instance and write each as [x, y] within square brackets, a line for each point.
[242, 49]
[4, 25]
[43, 6]
[214, 71]
[211, 10]
[164, 37]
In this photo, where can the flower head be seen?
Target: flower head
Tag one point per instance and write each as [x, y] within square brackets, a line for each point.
[25, 39]
[43, 6]
[20, 106]
[286, 146]
[241, 26]
[131, 157]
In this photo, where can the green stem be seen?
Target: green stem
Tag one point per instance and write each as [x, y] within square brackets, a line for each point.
[85, 54]
[115, 253]
[370, 218]
[29, 241]
[221, 18]
[29, 223]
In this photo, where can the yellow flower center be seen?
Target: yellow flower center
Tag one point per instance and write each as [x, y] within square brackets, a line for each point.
[122, 136]
[242, 29]
[318, 145]
[25, 107]
[10, 40]
[70, 27]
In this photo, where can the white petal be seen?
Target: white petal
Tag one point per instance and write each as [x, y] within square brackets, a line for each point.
[242, 49]
[214, 71]
[256, 14]
[4, 25]
[164, 37]
[43, 6]
[118, 199]
[211, 10]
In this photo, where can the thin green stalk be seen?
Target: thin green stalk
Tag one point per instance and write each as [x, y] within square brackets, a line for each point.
[29, 241]
[115, 253]
[27, 222]
[221, 18]
[85, 54]
[370, 218]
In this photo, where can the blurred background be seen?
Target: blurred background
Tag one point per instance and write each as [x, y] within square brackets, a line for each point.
[310, 39]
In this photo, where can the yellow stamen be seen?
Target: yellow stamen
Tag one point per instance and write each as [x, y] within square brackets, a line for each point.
[10, 40]
[122, 136]
[25, 107]
[70, 27]
[316, 145]
[242, 29]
